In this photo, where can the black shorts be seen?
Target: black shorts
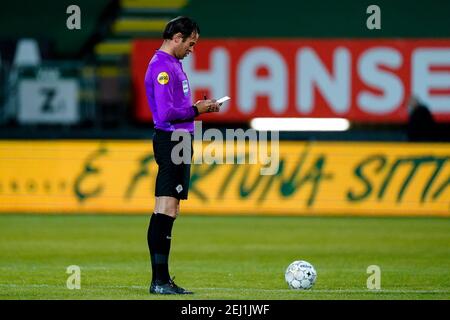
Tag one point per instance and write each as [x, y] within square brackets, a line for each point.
[173, 178]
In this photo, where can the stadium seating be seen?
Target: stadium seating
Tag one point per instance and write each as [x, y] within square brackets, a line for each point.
[137, 18]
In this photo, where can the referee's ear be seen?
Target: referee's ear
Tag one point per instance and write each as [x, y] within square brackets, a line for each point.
[178, 37]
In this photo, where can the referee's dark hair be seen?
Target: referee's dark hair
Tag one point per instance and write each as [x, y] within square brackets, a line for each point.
[181, 24]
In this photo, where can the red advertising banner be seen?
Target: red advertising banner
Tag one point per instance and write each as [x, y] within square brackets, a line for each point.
[361, 80]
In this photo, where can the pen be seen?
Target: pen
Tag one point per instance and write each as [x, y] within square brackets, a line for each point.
[204, 98]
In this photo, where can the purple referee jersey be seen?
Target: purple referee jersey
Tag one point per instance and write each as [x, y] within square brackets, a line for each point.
[168, 93]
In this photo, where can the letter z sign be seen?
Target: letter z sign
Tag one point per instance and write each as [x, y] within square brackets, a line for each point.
[48, 101]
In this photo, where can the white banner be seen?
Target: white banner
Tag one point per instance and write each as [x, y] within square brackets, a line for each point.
[51, 101]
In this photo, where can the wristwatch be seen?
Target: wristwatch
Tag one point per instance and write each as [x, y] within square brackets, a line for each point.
[196, 110]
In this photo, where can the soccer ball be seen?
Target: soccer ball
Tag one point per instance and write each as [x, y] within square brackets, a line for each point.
[300, 275]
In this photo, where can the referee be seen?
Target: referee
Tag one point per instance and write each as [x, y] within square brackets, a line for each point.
[169, 98]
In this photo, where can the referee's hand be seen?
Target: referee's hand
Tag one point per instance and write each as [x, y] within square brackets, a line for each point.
[205, 106]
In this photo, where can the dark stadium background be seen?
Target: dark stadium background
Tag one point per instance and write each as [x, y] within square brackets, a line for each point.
[76, 180]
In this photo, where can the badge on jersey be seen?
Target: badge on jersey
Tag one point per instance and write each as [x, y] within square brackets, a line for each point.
[163, 78]
[185, 87]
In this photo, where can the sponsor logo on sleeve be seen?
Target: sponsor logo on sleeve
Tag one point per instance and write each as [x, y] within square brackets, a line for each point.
[163, 77]
[185, 87]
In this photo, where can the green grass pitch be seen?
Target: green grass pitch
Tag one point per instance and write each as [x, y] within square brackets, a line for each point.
[237, 257]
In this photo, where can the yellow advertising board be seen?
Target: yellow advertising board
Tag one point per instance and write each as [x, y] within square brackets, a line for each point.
[313, 178]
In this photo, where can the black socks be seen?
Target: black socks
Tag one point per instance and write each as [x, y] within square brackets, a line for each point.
[158, 238]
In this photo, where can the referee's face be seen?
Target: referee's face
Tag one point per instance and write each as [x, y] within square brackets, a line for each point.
[186, 47]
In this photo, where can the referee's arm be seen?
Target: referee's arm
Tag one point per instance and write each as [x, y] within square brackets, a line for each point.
[167, 110]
